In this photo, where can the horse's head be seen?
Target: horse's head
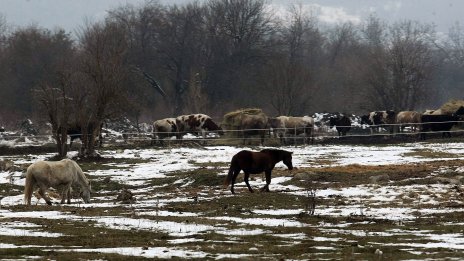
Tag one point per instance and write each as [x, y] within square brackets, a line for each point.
[287, 159]
[85, 193]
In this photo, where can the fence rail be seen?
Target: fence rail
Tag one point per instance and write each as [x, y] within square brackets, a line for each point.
[238, 136]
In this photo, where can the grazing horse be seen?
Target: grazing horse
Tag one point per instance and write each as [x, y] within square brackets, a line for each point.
[254, 163]
[342, 124]
[58, 174]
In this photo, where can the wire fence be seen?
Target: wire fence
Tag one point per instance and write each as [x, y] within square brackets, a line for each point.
[295, 136]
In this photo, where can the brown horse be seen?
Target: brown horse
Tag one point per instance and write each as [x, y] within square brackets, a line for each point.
[254, 163]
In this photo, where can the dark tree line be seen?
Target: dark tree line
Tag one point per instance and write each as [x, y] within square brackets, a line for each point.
[152, 61]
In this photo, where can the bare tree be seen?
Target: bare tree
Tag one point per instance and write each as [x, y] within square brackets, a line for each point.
[448, 81]
[101, 94]
[52, 96]
[454, 47]
[410, 63]
[287, 79]
[238, 34]
[53, 57]
[399, 70]
[180, 45]
[288, 86]
[142, 26]
[31, 53]
[341, 76]
[375, 70]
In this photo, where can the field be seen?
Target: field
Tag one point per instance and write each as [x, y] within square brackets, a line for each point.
[354, 202]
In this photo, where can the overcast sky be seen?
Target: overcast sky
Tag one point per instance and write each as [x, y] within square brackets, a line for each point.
[69, 14]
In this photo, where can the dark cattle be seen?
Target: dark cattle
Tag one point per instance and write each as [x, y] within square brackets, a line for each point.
[196, 123]
[342, 124]
[438, 123]
[164, 128]
[75, 132]
[365, 120]
[460, 111]
[254, 163]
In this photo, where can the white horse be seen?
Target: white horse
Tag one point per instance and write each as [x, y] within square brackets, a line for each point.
[59, 175]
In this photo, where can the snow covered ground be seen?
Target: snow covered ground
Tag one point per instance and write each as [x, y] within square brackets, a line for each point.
[369, 200]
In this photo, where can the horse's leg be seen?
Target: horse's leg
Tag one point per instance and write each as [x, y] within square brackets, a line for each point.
[66, 194]
[43, 195]
[69, 195]
[236, 172]
[268, 181]
[247, 175]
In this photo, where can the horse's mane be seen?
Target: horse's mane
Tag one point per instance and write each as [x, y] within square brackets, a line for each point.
[81, 178]
[274, 151]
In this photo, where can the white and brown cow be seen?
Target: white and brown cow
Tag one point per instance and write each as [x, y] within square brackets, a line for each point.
[377, 119]
[408, 118]
[342, 123]
[286, 126]
[164, 128]
[196, 123]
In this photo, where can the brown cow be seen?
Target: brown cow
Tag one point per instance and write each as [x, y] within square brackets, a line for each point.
[164, 128]
[408, 118]
[285, 126]
[253, 124]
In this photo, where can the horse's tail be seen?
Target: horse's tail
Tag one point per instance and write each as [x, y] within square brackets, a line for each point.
[29, 187]
[230, 175]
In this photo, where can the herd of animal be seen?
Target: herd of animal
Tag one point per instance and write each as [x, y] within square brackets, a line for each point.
[283, 127]
[249, 124]
[62, 175]
[429, 121]
[65, 173]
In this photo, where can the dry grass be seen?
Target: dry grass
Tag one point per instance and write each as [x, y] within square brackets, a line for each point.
[451, 106]
[346, 237]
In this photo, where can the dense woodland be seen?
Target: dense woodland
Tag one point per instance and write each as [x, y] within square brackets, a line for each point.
[153, 61]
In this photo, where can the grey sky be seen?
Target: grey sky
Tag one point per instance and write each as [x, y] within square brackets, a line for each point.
[69, 14]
